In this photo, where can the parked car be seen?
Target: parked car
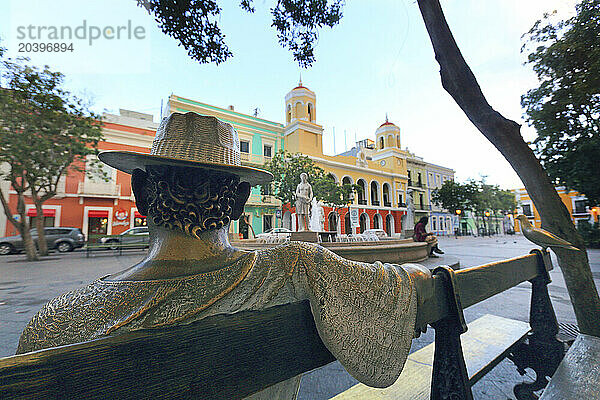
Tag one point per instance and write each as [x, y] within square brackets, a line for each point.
[63, 239]
[275, 233]
[380, 233]
[131, 237]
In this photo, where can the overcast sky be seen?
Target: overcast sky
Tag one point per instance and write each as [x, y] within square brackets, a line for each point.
[378, 60]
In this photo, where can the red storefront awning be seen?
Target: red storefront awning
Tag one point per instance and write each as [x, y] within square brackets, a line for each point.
[138, 215]
[97, 214]
[47, 212]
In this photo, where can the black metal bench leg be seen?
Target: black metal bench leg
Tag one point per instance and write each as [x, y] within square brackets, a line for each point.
[542, 351]
[450, 379]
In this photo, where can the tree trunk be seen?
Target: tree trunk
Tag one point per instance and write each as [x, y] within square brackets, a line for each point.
[39, 225]
[22, 225]
[24, 229]
[458, 80]
[30, 250]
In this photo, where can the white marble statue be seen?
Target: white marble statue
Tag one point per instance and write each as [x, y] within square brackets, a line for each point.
[304, 197]
[409, 218]
[317, 217]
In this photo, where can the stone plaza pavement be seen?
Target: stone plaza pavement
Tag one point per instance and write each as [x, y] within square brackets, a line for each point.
[26, 286]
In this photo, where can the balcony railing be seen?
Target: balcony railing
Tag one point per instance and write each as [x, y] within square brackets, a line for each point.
[416, 184]
[259, 199]
[424, 207]
[255, 159]
[579, 211]
[387, 204]
[99, 189]
[362, 202]
[375, 202]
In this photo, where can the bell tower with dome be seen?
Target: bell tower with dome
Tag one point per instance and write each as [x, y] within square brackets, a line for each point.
[302, 133]
[387, 145]
[387, 136]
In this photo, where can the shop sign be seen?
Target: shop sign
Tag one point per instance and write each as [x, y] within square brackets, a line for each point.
[354, 218]
[121, 217]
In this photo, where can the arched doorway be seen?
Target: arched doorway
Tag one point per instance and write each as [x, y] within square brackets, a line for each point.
[287, 220]
[363, 221]
[347, 224]
[377, 221]
[389, 224]
[332, 221]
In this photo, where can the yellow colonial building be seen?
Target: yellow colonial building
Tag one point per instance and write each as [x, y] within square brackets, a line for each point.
[575, 202]
[384, 171]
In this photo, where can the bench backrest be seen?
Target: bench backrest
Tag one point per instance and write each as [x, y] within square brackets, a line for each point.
[225, 356]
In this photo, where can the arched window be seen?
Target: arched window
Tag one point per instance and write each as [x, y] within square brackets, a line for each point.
[288, 117]
[381, 145]
[332, 177]
[346, 180]
[310, 112]
[362, 191]
[374, 193]
[387, 201]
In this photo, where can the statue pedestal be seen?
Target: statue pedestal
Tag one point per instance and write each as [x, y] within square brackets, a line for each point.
[305, 236]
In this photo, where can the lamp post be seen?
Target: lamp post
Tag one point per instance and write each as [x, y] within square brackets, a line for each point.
[487, 214]
[457, 230]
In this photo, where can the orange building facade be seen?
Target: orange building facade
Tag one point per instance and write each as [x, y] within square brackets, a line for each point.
[89, 202]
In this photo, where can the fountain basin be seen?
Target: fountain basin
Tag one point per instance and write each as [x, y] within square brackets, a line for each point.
[395, 251]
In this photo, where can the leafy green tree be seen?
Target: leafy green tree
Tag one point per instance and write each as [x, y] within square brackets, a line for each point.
[46, 131]
[478, 197]
[194, 23]
[565, 107]
[454, 196]
[286, 169]
[590, 233]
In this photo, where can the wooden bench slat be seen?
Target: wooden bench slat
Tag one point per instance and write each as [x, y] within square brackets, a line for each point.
[578, 374]
[484, 345]
[478, 283]
[221, 357]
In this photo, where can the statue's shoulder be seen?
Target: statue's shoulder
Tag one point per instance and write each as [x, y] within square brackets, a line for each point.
[75, 316]
[44, 328]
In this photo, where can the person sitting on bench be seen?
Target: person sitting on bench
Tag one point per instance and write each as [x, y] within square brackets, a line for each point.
[421, 235]
[190, 187]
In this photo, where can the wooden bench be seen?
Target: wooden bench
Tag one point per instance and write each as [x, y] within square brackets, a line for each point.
[115, 248]
[232, 356]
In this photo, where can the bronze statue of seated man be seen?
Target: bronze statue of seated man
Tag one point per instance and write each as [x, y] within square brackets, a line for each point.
[190, 187]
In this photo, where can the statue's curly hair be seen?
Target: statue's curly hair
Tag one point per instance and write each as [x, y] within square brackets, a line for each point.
[190, 200]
